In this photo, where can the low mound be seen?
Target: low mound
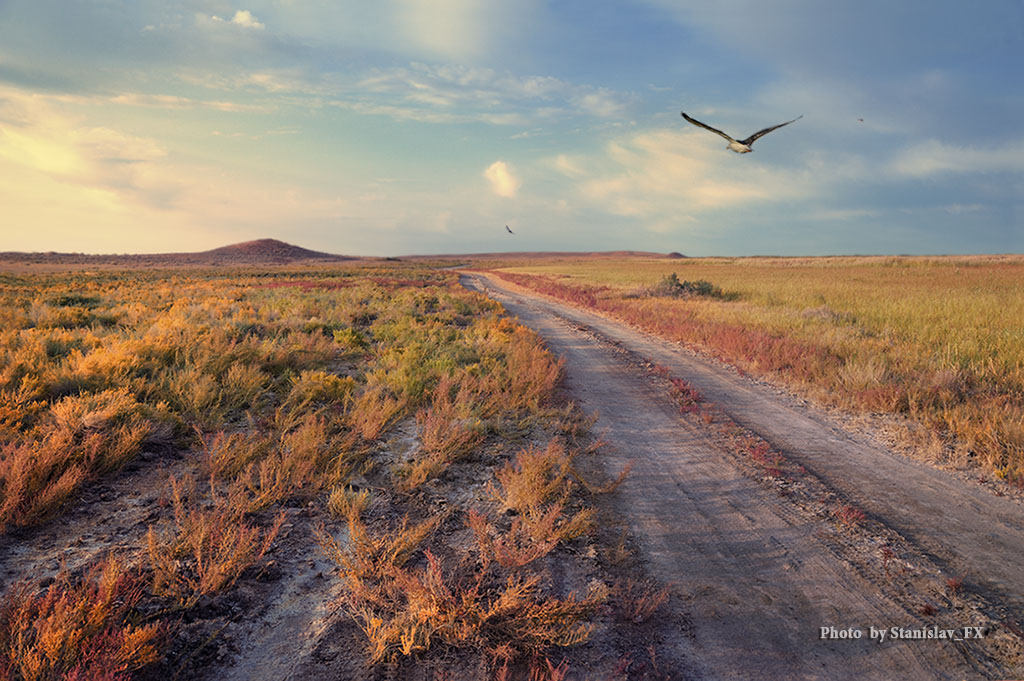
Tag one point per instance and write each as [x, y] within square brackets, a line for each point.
[268, 250]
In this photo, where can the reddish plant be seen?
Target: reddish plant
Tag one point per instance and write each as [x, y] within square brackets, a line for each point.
[955, 584]
[850, 515]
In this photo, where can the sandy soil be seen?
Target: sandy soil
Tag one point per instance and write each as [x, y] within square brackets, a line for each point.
[763, 570]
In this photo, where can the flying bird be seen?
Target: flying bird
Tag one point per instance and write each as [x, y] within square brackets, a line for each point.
[508, 230]
[739, 146]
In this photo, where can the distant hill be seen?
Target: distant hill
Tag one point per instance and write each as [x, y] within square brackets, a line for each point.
[268, 250]
[258, 252]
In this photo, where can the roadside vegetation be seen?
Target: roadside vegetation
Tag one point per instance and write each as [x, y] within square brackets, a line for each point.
[937, 340]
[285, 390]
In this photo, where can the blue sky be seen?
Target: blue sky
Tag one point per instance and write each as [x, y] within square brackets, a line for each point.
[415, 126]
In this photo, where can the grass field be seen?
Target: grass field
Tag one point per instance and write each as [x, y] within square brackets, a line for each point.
[287, 387]
[940, 340]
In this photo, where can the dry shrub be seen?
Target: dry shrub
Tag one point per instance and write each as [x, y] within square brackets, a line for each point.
[264, 468]
[76, 630]
[242, 386]
[367, 557]
[535, 487]
[532, 371]
[529, 537]
[636, 602]
[373, 411]
[83, 436]
[320, 387]
[448, 431]
[345, 502]
[955, 584]
[207, 550]
[409, 476]
[534, 478]
[405, 611]
[195, 395]
[18, 409]
[226, 454]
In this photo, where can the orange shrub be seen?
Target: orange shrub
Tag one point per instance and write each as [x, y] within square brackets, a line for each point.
[76, 630]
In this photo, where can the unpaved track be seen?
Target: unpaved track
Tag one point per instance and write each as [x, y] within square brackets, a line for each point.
[759, 575]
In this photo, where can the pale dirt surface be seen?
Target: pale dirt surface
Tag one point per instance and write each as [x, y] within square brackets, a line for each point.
[111, 515]
[761, 573]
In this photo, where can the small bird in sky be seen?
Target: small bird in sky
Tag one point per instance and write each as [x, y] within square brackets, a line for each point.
[739, 146]
[508, 230]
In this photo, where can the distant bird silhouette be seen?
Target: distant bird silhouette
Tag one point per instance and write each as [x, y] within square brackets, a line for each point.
[508, 230]
[861, 120]
[739, 146]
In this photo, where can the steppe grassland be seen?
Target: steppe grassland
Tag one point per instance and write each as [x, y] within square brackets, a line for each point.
[284, 383]
[938, 339]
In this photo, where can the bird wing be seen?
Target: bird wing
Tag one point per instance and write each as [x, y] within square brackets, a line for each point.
[708, 127]
[761, 133]
[509, 230]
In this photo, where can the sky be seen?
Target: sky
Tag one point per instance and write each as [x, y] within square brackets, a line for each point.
[425, 126]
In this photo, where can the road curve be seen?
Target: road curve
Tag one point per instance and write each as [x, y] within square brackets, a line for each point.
[758, 576]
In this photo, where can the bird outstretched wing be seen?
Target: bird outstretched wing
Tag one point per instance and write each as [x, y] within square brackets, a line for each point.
[716, 130]
[761, 133]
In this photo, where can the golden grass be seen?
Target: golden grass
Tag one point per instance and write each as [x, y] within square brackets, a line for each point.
[936, 339]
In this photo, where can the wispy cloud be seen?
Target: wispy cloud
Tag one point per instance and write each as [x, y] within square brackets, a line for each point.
[175, 102]
[38, 137]
[933, 157]
[447, 93]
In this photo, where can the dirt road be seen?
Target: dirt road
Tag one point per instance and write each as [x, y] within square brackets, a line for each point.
[759, 575]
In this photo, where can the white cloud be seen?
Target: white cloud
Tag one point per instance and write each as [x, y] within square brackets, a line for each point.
[405, 113]
[243, 18]
[503, 180]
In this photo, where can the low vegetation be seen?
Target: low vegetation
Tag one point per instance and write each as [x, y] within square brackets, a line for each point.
[77, 629]
[934, 339]
[285, 389]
